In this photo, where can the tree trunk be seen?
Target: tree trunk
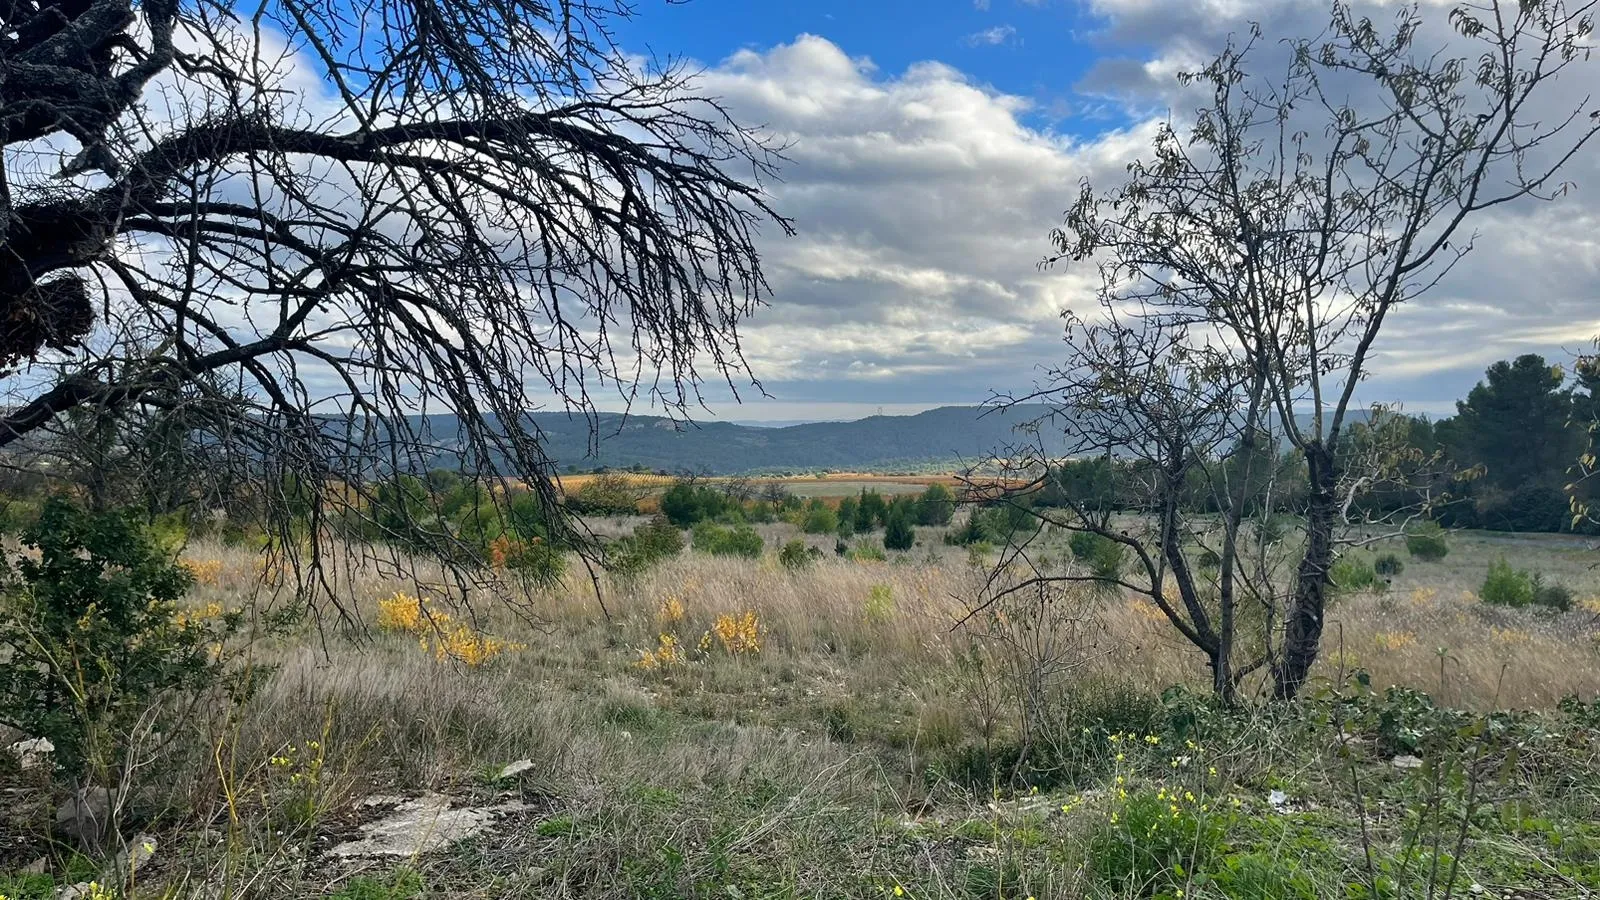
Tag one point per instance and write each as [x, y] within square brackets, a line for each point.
[1303, 625]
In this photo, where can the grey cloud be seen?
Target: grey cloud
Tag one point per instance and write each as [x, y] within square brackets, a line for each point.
[924, 202]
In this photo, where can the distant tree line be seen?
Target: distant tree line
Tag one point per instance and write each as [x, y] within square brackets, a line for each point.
[1508, 460]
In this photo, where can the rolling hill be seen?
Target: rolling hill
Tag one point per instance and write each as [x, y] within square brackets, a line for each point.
[939, 438]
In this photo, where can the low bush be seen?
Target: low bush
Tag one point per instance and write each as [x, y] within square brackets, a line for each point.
[737, 540]
[650, 543]
[1154, 842]
[1388, 565]
[1353, 574]
[1550, 595]
[820, 519]
[1101, 554]
[94, 641]
[1426, 542]
[795, 555]
[866, 551]
[1507, 586]
[899, 534]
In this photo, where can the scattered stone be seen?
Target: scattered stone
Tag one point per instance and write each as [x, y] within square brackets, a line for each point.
[33, 753]
[1277, 799]
[512, 770]
[1407, 762]
[140, 851]
[383, 800]
[86, 817]
[422, 825]
[83, 890]
[37, 867]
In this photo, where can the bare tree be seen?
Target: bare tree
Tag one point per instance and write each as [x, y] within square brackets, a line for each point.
[1189, 431]
[1297, 212]
[775, 493]
[442, 206]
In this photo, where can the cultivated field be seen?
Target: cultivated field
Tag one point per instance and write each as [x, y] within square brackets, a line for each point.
[734, 728]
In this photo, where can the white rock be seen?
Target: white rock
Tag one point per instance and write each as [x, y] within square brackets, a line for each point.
[422, 825]
[33, 753]
[140, 851]
[1407, 762]
[1277, 799]
[514, 769]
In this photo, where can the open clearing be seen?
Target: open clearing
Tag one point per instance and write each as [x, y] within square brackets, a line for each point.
[736, 729]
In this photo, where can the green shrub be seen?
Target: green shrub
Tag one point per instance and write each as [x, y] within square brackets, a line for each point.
[1551, 596]
[1388, 565]
[535, 561]
[738, 540]
[1352, 574]
[1261, 876]
[866, 551]
[871, 511]
[650, 543]
[1506, 586]
[93, 637]
[1149, 850]
[936, 506]
[820, 519]
[847, 517]
[898, 534]
[609, 494]
[1426, 542]
[1101, 554]
[684, 503]
[795, 555]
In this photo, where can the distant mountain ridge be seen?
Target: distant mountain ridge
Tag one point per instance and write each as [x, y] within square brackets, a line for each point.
[935, 439]
[938, 439]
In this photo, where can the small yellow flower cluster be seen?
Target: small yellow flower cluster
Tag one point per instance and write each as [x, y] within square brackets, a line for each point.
[1390, 641]
[299, 770]
[1510, 635]
[186, 618]
[203, 571]
[463, 645]
[1149, 611]
[1590, 604]
[438, 633]
[671, 611]
[406, 613]
[1424, 596]
[1344, 659]
[739, 634]
[880, 603]
[668, 653]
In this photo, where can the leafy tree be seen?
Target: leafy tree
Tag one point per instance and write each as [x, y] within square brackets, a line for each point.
[685, 503]
[93, 638]
[1514, 424]
[468, 255]
[871, 511]
[898, 532]
[936, 506]
[847, 514]
[820, 519]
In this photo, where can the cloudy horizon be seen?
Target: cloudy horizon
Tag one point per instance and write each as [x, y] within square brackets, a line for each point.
[928, 163]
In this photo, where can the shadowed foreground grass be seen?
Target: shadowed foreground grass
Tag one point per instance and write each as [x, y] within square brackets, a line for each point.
[736, 729]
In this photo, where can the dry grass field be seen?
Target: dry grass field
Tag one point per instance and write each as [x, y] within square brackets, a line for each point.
[734, 728]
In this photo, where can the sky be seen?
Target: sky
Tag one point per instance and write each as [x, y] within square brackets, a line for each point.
[932, 146]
